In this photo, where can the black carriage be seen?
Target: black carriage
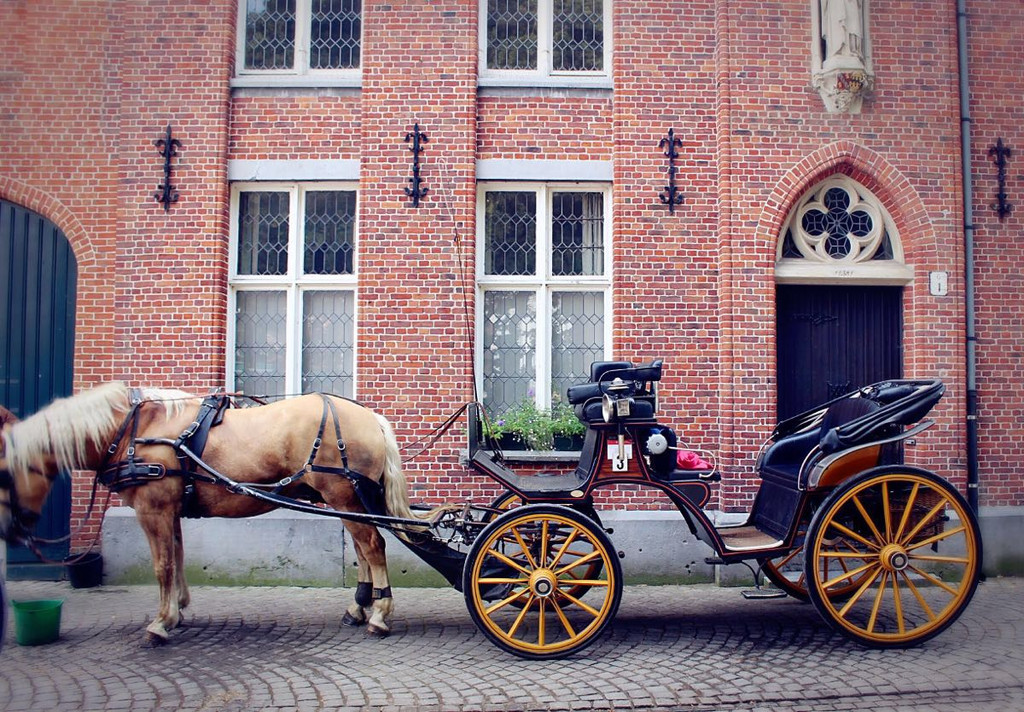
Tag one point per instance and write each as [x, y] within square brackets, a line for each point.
[889, 554]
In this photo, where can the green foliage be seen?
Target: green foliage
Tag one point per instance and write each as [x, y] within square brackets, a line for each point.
[535, 428]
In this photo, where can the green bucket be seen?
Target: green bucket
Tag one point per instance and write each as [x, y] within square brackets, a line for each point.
[36, 622]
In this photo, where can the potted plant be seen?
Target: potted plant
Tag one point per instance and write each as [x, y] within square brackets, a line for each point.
[525, 426]
[566, 428]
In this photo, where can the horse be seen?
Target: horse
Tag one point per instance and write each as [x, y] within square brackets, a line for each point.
[132, 438]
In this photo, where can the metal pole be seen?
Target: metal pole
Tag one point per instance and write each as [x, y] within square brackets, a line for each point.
[968, 198]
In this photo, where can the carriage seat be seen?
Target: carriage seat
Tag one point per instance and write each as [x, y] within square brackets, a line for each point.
[586, 397]
[783, 459]
[779, 495]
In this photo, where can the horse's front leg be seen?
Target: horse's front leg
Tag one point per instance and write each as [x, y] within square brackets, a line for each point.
[184, 596]
[159, 527]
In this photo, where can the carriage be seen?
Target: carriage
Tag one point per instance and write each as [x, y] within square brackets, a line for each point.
[888, 554]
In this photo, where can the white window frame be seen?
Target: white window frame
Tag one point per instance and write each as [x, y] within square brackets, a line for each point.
[294, 283]
[544, 74]
[542, 283]
[301, 70]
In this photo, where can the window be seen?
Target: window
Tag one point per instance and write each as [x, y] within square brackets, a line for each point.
[299, 36]
[293, 279]
[839, 230]
[545, 38]
[545, 290]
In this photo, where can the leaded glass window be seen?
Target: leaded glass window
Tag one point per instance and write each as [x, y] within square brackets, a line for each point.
[545, 37]
[511, 34]
[269, 34]
[545, 291]
[294, 264]
[577, 37]
[298, 36]
[840, 231]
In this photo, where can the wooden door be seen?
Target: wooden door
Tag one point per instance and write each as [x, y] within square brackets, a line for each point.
[834, 339]
[38, 279]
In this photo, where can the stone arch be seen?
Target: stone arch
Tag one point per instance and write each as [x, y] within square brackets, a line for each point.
[45, 204]
[866, 167]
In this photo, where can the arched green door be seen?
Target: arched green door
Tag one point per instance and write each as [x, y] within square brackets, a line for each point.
[38, 279]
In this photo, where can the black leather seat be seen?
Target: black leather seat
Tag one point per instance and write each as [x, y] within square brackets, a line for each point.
[586, 397]
[783, 459]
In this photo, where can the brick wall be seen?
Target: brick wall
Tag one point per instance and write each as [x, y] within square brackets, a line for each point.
[999, 248]
[414, 349]
[95, 83]
[58, 157]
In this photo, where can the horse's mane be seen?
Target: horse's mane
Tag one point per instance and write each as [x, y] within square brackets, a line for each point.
[67, 426]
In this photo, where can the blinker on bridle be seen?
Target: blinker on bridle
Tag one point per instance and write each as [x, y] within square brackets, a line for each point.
[22, 519]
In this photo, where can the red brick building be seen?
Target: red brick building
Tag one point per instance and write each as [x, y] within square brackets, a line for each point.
[293, 258]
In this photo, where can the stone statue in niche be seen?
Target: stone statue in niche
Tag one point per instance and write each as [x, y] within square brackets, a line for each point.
[842, 28]
[841, 53]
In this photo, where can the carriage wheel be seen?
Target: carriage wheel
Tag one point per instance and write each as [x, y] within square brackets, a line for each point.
[509, 500]
[524, 574]
[502, 503]
[912, 550]
[788, 572]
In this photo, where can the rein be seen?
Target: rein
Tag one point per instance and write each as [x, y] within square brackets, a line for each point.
[429, 440]
[24, 535]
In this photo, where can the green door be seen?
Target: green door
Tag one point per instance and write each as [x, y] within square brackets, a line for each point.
[38, 278]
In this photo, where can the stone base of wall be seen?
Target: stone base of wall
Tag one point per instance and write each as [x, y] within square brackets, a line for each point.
[286, 548]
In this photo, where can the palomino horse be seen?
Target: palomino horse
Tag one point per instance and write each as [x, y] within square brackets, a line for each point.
[272, 446]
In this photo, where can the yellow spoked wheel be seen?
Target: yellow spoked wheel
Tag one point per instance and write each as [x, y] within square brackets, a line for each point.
[509, 500]
[502, 503]
[909, 558]
[524, 575]
[788, 572]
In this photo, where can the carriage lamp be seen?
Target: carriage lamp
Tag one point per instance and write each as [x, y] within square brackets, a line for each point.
[613, 405]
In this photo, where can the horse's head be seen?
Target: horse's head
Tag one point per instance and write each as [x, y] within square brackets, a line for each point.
[20, 504]
[27, 473]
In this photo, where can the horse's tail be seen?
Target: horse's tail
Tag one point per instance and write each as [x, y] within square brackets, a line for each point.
[396, 488]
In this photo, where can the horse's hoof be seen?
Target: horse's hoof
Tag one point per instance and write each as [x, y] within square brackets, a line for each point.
[152, 640]
[377, 631]
[351, 621]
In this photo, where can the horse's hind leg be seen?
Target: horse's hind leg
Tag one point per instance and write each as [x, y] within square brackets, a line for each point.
[356, 613]
[370, 546]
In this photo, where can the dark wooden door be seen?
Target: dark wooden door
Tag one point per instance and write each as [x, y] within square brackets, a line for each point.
[832, 340]
[38, 280]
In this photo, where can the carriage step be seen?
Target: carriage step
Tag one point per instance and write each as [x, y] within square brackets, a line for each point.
[757, 593]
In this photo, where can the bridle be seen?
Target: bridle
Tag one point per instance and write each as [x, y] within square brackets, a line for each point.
[22, 519]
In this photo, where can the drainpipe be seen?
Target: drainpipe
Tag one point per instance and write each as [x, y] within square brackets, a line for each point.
[968, 197]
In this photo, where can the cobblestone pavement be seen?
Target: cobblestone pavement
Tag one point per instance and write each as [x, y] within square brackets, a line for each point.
[671, 647]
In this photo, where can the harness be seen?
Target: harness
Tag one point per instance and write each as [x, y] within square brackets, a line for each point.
[189, 447]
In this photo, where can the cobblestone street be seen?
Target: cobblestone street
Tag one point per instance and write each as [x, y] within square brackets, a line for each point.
[671, 647]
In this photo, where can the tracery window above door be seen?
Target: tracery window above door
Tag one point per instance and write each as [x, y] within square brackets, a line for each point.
[839, 231]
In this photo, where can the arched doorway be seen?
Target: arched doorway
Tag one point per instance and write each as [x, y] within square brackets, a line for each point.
[839, 275]
[38, 280]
